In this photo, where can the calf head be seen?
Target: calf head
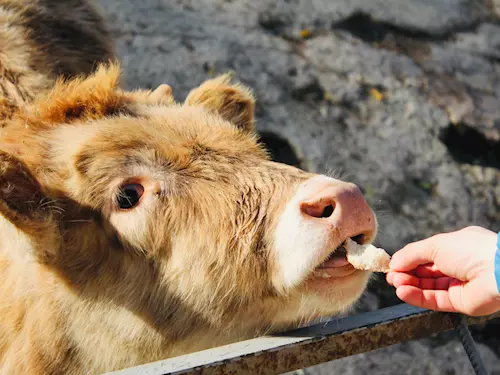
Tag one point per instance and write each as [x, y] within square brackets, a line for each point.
[175, 211]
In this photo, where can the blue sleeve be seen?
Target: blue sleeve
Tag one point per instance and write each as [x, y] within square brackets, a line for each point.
[497, 263]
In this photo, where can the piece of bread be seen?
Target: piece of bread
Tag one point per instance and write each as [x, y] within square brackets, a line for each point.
[367, 257]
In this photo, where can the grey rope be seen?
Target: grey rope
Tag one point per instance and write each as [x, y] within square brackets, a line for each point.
[469, 346]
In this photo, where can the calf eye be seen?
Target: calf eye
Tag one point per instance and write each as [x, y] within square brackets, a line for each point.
[129, 196]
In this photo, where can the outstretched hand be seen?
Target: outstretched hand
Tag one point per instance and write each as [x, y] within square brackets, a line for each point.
[449, 272]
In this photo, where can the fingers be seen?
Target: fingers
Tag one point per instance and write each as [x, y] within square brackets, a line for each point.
[414, 254]
[398, 279]
[428, 299]
[428, 270]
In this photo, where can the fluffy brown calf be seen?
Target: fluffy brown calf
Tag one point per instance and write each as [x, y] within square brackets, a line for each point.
[134, 228]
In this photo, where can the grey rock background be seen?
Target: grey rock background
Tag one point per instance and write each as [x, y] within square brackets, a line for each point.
[401, 97]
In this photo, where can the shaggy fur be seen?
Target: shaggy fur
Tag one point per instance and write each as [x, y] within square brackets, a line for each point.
[88, 287]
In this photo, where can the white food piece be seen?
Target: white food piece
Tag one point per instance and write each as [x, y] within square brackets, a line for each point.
[367, 257]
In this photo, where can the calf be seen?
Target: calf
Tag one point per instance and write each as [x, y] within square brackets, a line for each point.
[135, 228]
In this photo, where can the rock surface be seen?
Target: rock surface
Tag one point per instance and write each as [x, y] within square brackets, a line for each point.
[399, 96]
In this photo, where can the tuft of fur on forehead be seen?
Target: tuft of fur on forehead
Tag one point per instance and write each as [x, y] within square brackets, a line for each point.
[90, 98]
[81, 99]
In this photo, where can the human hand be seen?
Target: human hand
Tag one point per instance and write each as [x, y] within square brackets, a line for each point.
[449, 272]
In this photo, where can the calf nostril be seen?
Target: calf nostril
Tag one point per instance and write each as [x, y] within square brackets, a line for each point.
[359, 239]
[319, 209]
[327, 211]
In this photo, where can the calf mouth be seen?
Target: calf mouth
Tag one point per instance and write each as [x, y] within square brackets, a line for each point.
[336, 265]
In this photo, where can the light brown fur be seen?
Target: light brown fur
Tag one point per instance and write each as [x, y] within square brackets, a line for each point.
[88, 287]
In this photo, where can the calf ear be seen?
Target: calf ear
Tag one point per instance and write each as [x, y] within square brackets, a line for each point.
[23, 202]
[234, 102]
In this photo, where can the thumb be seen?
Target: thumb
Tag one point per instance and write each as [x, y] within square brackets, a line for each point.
[414, 254]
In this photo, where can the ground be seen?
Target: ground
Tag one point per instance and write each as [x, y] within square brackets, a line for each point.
[398, 96]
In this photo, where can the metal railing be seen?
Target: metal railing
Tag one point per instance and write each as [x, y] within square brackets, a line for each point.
[305, 347]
